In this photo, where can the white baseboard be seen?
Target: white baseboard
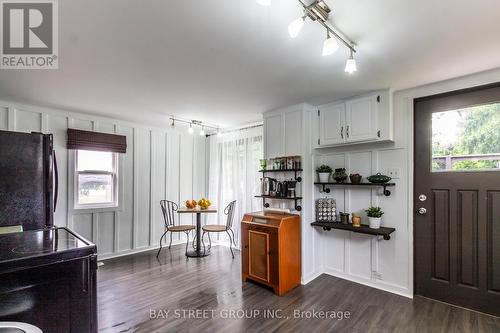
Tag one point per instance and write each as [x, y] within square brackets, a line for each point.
[377, 284]
[311, 276]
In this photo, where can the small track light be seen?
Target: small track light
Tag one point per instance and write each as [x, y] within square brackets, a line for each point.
[350, 65]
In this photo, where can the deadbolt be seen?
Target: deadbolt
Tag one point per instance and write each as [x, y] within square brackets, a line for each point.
[422, 197]
[422, 211]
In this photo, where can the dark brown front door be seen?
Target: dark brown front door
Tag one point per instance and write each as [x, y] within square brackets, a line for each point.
[457, 198]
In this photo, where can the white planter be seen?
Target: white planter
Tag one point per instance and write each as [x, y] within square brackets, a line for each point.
[375, 222]
[324, 177]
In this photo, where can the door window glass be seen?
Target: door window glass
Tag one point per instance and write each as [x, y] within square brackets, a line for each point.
[466, 139]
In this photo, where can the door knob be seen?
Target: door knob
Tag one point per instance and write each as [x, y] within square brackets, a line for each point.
[422, 211]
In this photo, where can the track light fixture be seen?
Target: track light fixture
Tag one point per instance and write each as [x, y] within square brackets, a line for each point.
[193, 123]
[296, 25]
[330, 46]
[350, 65]
[319, 11]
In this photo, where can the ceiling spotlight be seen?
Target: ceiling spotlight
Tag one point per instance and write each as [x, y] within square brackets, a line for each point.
[202, 131]
[219, 133]
[190, 129]
[295, 27]
[350, 65]
[264, 2]
[330, 46]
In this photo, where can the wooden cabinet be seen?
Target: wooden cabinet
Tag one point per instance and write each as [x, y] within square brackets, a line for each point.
[271, 250]
[357, 120]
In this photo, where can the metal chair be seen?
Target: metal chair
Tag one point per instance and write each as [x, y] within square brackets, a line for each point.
[229, 212]
[169, 209]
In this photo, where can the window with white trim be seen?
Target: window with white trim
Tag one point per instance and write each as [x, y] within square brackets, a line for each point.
[96, 179]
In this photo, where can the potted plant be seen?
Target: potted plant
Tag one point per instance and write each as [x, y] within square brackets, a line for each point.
[374, 216]
[324, 172]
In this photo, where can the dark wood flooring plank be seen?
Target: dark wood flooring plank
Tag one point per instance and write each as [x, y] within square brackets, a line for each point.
[129, 287]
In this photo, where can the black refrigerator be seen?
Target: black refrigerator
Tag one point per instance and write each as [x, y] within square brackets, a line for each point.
[28, 180]
[47, 273]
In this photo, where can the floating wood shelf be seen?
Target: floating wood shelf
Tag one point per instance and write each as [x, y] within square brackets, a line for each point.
[364, 229]
[384, 186]
[266, 205]
[299, 179]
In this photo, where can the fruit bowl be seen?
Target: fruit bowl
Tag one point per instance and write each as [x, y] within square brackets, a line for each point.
[204, 203]
[191, 204]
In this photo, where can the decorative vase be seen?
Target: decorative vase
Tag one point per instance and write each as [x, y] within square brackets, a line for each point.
[340, 175]
[344, 218]
[263, 164]
[324, 177]
[375, 222]
[356, 221]
[355, 178]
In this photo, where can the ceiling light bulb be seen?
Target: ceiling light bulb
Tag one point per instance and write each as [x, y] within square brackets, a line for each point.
[202, 131]
[264, 2]
[350, 65]
[295, 27]
[173, 122]
[219, 133]
[190, 129]
[330, 46]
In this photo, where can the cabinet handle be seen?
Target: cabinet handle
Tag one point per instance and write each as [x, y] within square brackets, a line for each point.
[342, 132]
[347, 131]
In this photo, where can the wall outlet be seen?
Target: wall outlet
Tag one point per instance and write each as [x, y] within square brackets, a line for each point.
[393, 173]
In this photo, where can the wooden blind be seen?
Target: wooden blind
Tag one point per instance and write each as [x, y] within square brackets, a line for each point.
[78, 139]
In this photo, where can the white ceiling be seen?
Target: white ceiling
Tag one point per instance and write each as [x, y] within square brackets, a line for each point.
[227, 61]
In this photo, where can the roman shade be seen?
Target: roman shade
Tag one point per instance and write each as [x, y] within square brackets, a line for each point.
[87, 140]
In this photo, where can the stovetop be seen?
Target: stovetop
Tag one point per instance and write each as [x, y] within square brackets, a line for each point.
[35, 243]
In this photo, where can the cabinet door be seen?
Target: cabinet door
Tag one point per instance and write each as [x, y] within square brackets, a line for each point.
[273, 136]
[331, 124]
[361, 119]
[293, 132]
[258, 255]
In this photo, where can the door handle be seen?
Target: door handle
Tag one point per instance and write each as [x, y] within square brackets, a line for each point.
[422, 211]
[347, 131]
[342, 132]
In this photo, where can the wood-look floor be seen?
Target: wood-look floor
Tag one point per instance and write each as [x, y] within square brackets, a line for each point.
[129, 287]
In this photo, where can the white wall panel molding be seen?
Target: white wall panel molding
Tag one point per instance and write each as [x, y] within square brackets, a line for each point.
[151, 170]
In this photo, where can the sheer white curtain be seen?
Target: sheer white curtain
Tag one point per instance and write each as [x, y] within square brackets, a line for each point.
[233, 175]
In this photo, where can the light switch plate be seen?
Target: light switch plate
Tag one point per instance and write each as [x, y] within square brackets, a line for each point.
[393, 173]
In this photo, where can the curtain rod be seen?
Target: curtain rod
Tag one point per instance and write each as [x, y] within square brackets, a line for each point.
[239, 129]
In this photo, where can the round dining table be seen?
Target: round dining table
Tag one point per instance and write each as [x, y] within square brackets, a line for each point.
[198, 252]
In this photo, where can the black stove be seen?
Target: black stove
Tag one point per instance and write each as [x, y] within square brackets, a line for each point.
[45, 273]
[41, 246]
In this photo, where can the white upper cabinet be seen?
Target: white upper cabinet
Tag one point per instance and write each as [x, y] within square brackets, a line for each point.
[362, 119]
[293, 132]
[331, 124]
[273, 129]
[284, 131]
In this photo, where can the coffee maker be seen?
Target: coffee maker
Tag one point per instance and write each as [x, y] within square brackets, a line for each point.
[291, 186]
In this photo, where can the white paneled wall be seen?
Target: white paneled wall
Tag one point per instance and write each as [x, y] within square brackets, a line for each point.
[159, 163]
[364, 258]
